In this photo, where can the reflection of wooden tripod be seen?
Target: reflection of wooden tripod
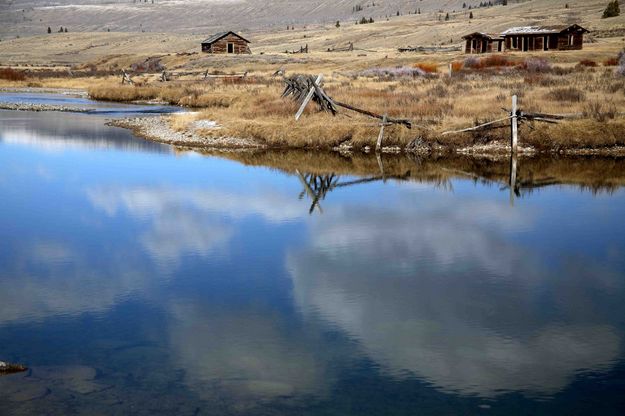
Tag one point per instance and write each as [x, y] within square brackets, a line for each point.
[318, 186]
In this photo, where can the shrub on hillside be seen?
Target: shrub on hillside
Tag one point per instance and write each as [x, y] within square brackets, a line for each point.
[568, 94]
[396, 72]
[536, 65]
[492, 61]
[11, 74]
[427, 67]
[588, 63]
[457, 66]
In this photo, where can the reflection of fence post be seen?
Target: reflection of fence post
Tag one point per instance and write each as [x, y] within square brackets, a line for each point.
[513, 177]
[515, 125]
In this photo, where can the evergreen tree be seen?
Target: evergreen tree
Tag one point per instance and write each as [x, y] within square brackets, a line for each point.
[612, 10]
[471, 15]
[49, 29]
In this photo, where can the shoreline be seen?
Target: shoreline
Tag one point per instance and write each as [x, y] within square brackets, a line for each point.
[157, 129]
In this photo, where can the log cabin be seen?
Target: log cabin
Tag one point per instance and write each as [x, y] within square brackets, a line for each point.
[544, 38]
[479, 42]
[226, 43]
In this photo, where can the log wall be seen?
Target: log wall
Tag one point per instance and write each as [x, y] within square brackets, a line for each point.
[220, 46]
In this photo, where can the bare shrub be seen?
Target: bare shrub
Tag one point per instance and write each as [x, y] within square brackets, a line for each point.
[621, 63]
[393, 73]
[600, 111]
[536, 65]
[11, 74]
[427, 67]
[567, 94]
[439, 91]
[588, 63]
[493, 61]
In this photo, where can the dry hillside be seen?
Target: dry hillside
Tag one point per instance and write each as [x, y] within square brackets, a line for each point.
[377, 40]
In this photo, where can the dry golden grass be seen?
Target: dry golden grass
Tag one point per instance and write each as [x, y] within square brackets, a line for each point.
[255, 110]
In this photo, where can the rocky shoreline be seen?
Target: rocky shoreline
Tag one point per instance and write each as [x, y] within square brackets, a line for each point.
[43, 107]
[157, 129]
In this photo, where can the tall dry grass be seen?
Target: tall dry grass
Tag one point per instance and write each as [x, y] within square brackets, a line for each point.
[435, 103]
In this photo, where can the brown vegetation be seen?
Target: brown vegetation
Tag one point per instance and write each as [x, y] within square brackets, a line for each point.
[11, 74]
[255, 109]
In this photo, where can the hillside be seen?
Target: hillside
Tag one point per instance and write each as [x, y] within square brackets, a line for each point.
[29, 17]
[377, 40]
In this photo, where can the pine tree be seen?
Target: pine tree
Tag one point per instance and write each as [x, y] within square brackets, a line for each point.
[471, 15]
[338, 24]
[612, 10]
[447, 17]
[49, 29]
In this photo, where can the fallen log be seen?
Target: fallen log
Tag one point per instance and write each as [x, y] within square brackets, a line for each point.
[391, 120]
[8, 368]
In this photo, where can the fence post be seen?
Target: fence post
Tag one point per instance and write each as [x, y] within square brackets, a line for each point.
[378, 145]
[515, 125]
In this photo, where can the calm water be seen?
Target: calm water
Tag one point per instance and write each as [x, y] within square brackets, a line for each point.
[138, 280]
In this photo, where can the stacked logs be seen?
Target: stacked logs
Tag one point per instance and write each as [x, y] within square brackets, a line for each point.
[298, 87]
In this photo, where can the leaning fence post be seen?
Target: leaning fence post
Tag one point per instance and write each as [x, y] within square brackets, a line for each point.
[515, 125]
[309, 97]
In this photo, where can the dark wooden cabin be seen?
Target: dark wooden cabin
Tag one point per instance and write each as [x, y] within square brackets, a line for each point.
[544, 38]
[227, 43]
[479, 42]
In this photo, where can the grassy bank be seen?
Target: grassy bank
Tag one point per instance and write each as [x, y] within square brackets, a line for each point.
[418, 88]
[476, 92]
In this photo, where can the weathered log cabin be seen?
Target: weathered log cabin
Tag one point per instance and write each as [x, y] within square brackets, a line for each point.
[227, 43]
[479, 42]
[544, 38]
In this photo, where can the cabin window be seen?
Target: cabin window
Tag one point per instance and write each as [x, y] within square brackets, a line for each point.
[514, 42]
[571, 40]
[230, 47]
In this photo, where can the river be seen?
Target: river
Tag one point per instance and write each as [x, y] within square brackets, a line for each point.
[140, 279]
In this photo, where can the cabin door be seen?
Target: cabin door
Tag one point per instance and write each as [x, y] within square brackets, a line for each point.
[230, 47]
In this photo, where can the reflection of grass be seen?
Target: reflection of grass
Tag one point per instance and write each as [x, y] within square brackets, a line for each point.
[593, 173]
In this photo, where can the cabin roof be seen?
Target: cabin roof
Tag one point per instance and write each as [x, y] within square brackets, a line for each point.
[492, 36]
[217, 36]
[537, 30]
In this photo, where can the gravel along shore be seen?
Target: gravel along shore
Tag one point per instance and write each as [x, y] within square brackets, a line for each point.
[43, 107]
[157, 128]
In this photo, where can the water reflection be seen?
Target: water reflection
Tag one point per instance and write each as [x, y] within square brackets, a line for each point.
[135, 280]
[445, 296]
[51, 132]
